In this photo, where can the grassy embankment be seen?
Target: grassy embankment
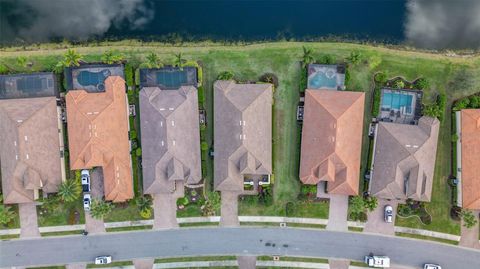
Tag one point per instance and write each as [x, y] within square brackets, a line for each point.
[282, 59]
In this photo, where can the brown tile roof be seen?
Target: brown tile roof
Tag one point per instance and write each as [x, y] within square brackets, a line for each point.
[29, 148]
[170, 138]
[332, 139]
[470, 139]
[98, 136]
[243, 133]
[404, 160]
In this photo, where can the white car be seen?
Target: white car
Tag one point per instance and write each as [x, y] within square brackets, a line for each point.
[103, 259]
[85, 175]
[87, 199]
[431, 266]
[388, 213]
[377, 261]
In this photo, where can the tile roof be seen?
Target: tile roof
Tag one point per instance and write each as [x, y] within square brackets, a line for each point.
[404, 160]
[243, 133]
[98, 136]
[29, 148]
[332, 139]
[470, 140]
[170, 138]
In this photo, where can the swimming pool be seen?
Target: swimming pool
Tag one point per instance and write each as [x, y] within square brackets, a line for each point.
[322, 80]
[172, 78]
[397, 101]
[96, 79]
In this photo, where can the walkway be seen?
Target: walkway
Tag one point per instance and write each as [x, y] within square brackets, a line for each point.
[28, 220]
[469, 236]
[229, 211]
[376, 219]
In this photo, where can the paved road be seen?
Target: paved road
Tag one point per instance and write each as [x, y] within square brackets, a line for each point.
[233, 241]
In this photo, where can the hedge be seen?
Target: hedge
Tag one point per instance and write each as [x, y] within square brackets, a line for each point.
[376, 102]
[129, 74]
[201, 96]
[199, 70]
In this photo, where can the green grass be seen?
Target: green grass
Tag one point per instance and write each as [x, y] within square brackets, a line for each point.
[15, 223]
[62, 216]
[191, 210]
[131, 228]
[113, 264]
[124, 213]
[194, 259]
[422, 237]
[282, 58]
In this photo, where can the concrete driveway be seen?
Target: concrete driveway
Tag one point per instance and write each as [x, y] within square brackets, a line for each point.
[376, 222]
[28, 220]
[96, 185]
[229, 210]
[469, 236]
[165, 211]
[338, 213]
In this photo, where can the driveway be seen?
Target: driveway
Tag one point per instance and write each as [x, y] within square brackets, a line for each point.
[28, 220]
[469, 236]
[338, 213]
[165, 211]
[376, 222]
[96, 185]
[229, 210]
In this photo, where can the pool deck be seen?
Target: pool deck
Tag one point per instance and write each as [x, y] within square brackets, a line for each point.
[401, 115]
[335, 74]
[73, 72]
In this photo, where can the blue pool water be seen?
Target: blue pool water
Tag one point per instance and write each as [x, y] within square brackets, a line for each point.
[97, 79]
[320, 80]
[397, 100]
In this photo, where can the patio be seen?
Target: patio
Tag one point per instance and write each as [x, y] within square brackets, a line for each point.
[400, 106]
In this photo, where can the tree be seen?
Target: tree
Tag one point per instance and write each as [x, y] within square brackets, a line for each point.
[152, 60]
[422, 83]
[212, 204]
[469, 219]
[179, 61]
[6, 214]
[381, 77]
[22, 61]
[307, 57]
[72, 58]
[354, 57]
[99, 208]
[69, 190]
[144, 202]
[226, 75]
[58, 67]
[111, 57]
[370, 203]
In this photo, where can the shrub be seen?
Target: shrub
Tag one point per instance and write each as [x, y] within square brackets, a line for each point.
[371, 203]
[133, 134]
[381, 77]
[327, 59]
[69, 190]
[204, 146]
[6, 213]
[303, 80]
[226, 75]
[404, 210]
[3, 69]
[129, 74]
[144, 202]
[112, 56]
[422, 83]
[399, 84]
[474, 101]
[269, 78]
[201, 95]
[436, 109]
[146, 214]
[376, 102]
[354, 57]
[469, 219]
[357, 207]
[138, 152]
[347, 76]
[454, 138]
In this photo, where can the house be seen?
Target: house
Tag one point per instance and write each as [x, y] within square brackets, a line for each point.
[404, 160]
[31, 140]
[98, 136]
[243, 134]
[170, 135]
[332, 140]
[468, 160]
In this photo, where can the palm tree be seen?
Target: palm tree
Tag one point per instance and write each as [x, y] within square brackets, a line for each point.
[111, 56]
[69, 190]
[179, 61]
[152, 60]
[354, 57]
[72, 58]
[307, 57]
[99, 209]
[144, 203]
[58, 68]
[22, 61]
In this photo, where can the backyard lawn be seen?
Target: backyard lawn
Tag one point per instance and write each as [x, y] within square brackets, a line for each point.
[248, 63]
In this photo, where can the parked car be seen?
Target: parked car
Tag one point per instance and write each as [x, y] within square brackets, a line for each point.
[85, 180]
[377, 261]
[431, 266]
[388, 213]
[103, 259]
[87, 199]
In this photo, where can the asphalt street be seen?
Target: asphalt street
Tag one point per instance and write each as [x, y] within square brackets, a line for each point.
[242, 241]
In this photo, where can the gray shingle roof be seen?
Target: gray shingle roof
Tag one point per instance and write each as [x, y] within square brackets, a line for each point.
[243, 132]
[170, 138]
[404, 160]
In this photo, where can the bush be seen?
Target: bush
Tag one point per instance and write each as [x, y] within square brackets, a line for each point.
[404, 210]
[454, 138]
[469, 219]
[422, 83]
[436, 109]
[226, 75]
[399, 84]
[381, 77]
[371, 203]
[303, 80]
[137, 76]
[146, 214]
[3, 69]
[129, 74]
[138, 152]
[201, 95]
[327, 59]
[182, 201]
[376, 102]
[347, 77]
[144, 202]
[474, 101]
[269, 78]
[133, 134]
[99, 209]
[204, 146]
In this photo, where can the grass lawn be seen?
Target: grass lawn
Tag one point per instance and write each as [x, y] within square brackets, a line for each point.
[282, 58]
[63, 215]
[124, 212]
